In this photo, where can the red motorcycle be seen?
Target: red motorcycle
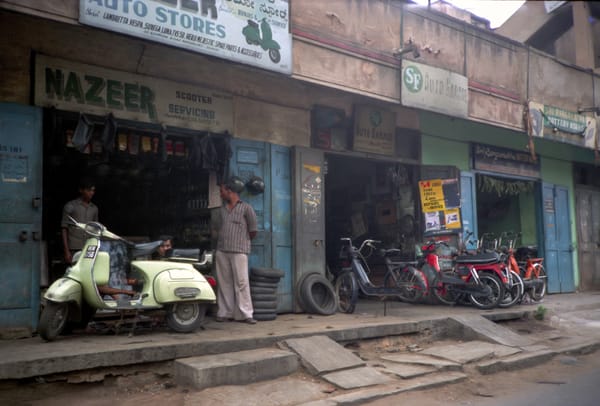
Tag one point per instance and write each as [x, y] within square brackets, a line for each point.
[478, 278]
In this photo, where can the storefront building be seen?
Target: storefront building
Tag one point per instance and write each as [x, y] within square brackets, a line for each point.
[341, 123]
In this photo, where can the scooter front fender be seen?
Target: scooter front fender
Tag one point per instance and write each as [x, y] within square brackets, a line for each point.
[174, 285]
[64, 290]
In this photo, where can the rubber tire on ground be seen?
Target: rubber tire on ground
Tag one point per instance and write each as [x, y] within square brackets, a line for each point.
[264, 311]
[513, 295]
[186, 317]
[319, 295]
[267, 272]
[412, 282]
[443, 293]
[263, 297]
[255, 290]
[267, 279]
[257, 284]
[265, 316]
[346, 289]
[265, 304]
[493, 280]
[299, 291]
[53, 320]
[536, 296]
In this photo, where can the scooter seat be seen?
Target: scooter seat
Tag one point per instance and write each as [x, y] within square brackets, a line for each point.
[146, 248]
[483, 258]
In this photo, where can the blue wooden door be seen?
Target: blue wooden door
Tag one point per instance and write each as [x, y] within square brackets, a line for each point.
[558, 247]
[467, 209]
[20, 215]
[272, 247]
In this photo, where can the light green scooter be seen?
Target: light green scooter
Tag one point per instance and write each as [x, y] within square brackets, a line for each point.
[176, 288]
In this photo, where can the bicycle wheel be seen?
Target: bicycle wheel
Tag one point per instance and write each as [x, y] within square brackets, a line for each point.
[494, 294]
[346, 289]
[409, 282]
[513, 293]
[444, 293]
[538, 293]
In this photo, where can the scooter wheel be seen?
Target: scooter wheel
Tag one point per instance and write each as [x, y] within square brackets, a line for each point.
[186, 317]
[53, 320]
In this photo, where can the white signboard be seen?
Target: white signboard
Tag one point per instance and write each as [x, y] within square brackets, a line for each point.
[90, 89]
[435, 89]
[254, 32]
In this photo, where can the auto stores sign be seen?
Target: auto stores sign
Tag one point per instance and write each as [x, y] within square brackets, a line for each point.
[254, 32]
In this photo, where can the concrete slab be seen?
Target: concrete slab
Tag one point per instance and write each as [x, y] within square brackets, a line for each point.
[422, 359]
[237, 368]
[365, 395]
[357, 378]
[481, 328]
[470, 351]
[406, 371]
[320, 354]
[522, 360]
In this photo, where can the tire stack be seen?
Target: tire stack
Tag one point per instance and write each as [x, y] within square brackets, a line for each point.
[263, 290]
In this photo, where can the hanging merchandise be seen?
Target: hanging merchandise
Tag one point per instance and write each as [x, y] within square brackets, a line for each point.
[109, 132]
[501, 187]
[83, 133]
[133, 144]
[146, 144]
[122, 140]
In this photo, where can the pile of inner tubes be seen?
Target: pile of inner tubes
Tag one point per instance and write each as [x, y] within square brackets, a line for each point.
[263, 290]
[316, 295]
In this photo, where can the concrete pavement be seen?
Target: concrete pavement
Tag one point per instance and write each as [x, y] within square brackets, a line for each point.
[32, 357]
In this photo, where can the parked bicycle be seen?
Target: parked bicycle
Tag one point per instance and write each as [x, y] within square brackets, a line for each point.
[531, 269]
[401, 279]
[514, 285]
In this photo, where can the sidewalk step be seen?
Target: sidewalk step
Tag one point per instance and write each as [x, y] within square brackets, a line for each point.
[481, 328]
[235, 368]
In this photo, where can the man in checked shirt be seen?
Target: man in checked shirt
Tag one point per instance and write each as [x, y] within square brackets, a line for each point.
[237, 228]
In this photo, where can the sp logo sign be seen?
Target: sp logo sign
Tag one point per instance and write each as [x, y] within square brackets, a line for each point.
[413, 79]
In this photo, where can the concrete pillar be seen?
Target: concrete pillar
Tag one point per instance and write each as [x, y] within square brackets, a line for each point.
[584, 40]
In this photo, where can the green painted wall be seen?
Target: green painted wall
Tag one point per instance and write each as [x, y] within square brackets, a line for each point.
[446, 141]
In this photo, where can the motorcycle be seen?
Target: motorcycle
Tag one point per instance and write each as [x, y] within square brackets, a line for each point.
[176, 288]
[479, 277]
[252, 32]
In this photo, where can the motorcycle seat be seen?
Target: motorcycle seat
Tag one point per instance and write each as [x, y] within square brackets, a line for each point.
[253, 24]
[483, 258]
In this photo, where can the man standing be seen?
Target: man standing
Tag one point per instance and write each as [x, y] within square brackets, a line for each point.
[237, 228]
[82, 210]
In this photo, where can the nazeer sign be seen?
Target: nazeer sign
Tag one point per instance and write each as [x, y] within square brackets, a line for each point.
[434, 89]
[254, 32]
[90, 89]
[374, 130]
[547, 120]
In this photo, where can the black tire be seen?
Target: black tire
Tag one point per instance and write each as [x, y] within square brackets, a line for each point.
[264, 279]
[265, 317]
[495, 295]
[409, 281]
[318, 295]
[444, 293]
[186, 317]
[538, 294]
[264, 311]
[264, 297]
[53, 320]
[271, 306]
[267, 272]
[514, 293]
[346, 290]
[257, 284]
[262, 291]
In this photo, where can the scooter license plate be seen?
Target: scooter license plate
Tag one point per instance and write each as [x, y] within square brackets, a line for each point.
[90, 251]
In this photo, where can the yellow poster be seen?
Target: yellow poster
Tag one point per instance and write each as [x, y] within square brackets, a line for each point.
[432, 195]
[452, 217]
